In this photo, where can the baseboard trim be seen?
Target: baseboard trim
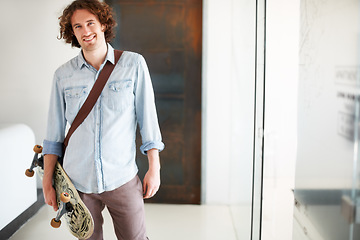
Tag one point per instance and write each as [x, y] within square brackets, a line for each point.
[16, 224]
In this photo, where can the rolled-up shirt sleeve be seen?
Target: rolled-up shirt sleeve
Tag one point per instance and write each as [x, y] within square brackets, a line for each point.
[146, 110]
[55, 148]
[56, 123]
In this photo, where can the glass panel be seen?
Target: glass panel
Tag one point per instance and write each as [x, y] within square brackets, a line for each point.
[281, 86]
[326, 169]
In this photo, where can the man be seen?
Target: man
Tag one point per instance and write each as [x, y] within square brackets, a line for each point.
[100, 156]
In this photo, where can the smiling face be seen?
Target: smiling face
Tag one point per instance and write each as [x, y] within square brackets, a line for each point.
[88, 30]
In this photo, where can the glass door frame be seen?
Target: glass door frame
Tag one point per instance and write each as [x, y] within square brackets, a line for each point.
[259, 116]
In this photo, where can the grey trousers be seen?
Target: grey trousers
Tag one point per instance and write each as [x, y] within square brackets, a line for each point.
[126, 207]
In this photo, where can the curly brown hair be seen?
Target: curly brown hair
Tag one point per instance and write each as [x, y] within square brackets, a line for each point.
[99, 9]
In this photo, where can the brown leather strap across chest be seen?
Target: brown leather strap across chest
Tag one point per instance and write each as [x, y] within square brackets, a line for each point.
[93, 96]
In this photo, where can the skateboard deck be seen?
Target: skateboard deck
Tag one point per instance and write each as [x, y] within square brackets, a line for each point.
[77, 217]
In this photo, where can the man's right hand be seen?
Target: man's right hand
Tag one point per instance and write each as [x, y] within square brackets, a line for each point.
[49, 195]
[48, 190]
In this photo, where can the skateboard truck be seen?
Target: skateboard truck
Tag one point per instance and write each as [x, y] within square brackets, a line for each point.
[64, 208]
[36, 161]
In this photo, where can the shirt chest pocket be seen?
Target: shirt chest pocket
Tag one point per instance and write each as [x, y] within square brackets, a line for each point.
[120, 94]
[74, 98]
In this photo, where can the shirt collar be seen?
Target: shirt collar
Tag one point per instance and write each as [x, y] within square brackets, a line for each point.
[109, 57]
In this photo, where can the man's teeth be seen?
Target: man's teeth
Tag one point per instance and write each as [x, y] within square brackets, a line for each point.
[89, 38]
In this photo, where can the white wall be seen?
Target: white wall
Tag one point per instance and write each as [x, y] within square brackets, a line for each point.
[228, 101]
[228, 94]
[30, 53]
[282, 60]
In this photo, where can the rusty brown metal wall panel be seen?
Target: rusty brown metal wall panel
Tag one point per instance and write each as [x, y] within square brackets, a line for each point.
[168, 33]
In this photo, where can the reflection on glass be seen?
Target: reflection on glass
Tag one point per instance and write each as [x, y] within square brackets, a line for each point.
[327, 179]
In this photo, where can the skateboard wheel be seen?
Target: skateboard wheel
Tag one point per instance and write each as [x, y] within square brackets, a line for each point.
[38, 149]
[65, 197]
[55, 224]
[29, 173]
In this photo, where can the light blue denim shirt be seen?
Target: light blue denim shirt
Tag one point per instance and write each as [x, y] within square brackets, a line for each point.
[100, 155]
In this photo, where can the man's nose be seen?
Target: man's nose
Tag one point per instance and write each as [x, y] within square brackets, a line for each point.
[86, 30]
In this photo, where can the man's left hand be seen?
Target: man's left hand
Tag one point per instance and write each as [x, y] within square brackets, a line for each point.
[151, 182]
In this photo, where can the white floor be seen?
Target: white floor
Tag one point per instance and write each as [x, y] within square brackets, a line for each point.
[164, 222]
[191, 222]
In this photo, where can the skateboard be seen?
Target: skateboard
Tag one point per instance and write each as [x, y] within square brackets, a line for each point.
[78, 218]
